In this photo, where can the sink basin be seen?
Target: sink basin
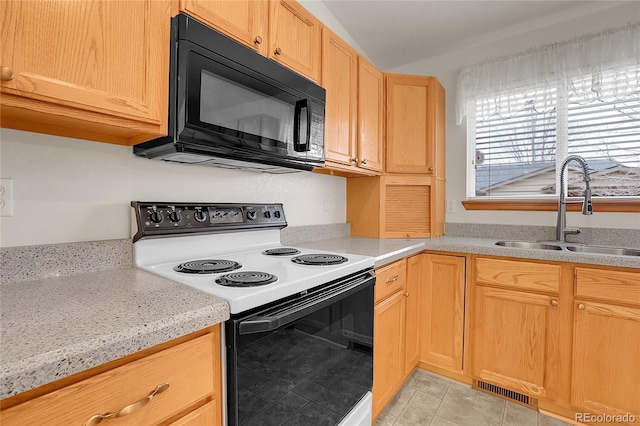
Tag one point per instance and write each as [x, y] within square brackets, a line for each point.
[528, 245]
[620, 251]
[577, 248]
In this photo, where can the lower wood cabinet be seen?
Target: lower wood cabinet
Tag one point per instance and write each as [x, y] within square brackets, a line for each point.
[606, 342]
[191, 369]
[515, 336]
[516, 330]
[395, 328]
[388, 367]
[442, 301]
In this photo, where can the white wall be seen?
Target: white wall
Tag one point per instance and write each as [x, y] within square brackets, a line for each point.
[68, 190]
[446, 66]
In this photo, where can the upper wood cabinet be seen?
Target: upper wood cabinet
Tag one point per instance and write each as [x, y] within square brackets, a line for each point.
[370, 116]
[244, 20]
[90, 69]
[354, 112]
[279, 29]
[295, 38]
[339, 78]
[415, 112]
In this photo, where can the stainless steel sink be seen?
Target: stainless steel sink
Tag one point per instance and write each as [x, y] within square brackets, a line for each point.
[528, 245]
[573, 247]
[620, 251]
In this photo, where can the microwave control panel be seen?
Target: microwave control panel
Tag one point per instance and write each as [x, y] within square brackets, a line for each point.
[162, 219]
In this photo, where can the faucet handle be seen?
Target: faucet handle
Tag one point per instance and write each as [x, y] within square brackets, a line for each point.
[572, 231]
[587, 205]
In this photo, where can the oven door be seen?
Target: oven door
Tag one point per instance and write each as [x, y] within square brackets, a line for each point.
[305, 361]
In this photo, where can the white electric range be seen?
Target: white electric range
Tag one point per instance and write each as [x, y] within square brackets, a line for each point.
[300, 337]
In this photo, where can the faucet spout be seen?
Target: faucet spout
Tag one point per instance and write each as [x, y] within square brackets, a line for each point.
[587, 207]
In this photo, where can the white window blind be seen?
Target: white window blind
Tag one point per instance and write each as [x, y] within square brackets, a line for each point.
[518, 147]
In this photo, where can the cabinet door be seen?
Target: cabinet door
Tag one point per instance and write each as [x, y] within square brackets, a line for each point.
[370, 115]
[606, 356]
[410, 134]
[295, 38]
[339, 78]
[408, 130]
[442, 299]
[243, 20]
[515, 340]
[388, 329]
[415, 277]
[108, 57]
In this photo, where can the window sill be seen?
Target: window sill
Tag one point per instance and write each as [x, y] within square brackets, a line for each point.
[618, 206]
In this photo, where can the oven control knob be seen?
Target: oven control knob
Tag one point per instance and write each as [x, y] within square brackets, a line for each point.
[200, 216]
[277, 214]
[251, 215]
[267, 214]
[155, 217]
[175, 216]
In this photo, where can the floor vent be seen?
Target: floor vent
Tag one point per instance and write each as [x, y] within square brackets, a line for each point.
[507, 394]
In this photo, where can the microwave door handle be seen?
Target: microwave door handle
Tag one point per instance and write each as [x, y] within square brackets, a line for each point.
[260, 324]
[298, 145]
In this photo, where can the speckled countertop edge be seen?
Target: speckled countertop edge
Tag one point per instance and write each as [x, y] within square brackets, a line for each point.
[53, 328]
[388, 250]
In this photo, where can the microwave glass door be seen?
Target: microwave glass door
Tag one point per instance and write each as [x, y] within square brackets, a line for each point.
[250, 111]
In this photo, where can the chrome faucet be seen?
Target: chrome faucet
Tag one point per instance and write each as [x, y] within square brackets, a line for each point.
[587, 208]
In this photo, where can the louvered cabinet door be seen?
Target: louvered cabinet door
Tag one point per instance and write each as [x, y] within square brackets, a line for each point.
[606, 359]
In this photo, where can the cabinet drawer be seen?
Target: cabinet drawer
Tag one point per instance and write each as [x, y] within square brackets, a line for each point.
[616, 286]
[187, 368]
[518, 275]
[390, 279]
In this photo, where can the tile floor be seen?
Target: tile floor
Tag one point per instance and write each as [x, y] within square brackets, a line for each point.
[430, 400]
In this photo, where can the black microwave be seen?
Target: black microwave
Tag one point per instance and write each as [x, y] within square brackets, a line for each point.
[232, 107]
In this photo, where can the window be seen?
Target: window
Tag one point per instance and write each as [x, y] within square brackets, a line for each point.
[517, 140]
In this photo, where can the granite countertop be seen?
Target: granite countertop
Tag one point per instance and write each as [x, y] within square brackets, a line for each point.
[388, 250]
[53, 328]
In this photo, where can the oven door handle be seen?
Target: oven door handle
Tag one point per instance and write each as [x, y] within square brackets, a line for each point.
[282, 317]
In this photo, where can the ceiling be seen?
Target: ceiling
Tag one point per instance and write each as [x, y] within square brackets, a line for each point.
[397, 32]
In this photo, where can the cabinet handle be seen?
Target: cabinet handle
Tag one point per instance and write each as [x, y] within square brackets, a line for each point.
[6, 74]
[430, 168]
[407, 294]
[129, 409]
[364, 161]
[354, 160]
[278, 51]
[581, 306]
[392, 280]
[258, 40]
[554, 302]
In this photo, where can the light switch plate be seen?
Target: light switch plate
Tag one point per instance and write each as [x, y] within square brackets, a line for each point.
[6, 197]
[451, 206]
